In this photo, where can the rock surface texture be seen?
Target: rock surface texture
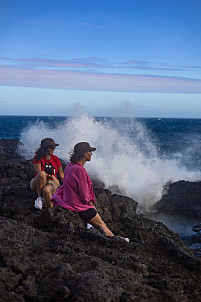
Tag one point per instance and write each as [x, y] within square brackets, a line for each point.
[181, 197]
[49, 255]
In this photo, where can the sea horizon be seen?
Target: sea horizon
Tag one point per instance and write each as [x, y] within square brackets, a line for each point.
[100, 116]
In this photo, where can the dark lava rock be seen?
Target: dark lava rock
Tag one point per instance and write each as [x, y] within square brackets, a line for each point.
[49, 255]
[8, 150]
[182, 197]
[197, 228]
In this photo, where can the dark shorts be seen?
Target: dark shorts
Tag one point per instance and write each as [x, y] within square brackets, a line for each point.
[88, 214]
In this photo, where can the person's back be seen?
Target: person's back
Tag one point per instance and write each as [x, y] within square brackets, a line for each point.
[77, 187]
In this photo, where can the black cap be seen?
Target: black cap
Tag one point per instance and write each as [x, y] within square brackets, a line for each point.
[83, 147]
[48, 142]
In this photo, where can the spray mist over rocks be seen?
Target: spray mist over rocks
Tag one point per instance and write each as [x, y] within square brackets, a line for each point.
[126, 155]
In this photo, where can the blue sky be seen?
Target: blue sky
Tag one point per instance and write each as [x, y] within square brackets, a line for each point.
[104, 58]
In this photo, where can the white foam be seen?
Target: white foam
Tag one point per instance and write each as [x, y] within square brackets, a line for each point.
[131, 164]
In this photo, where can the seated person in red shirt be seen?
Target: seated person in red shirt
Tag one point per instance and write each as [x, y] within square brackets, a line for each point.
[46, 167]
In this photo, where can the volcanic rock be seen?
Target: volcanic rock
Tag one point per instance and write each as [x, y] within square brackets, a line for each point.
[49, 255]
[181, 197]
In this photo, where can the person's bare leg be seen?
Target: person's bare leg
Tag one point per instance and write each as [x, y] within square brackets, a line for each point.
[48, 191]
[39, 182]
[97, 221]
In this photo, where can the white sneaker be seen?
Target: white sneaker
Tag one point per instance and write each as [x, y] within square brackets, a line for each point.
[126, 239]
[122, 238]
[39, 203]
[89, 226]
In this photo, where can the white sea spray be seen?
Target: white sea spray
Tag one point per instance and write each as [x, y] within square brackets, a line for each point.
[130, 163]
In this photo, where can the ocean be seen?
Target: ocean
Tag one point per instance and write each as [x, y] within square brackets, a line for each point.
[136, 155]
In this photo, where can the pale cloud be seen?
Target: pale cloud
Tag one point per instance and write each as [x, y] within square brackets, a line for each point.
[65, 79]
[92, 63]
[76, 63]
[142, 65]
[154, 66]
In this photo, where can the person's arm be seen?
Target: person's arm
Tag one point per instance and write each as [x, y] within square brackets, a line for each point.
[60, 172]
[37, 167]
[92, 204]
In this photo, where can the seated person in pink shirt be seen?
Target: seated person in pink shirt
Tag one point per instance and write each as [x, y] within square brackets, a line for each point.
[76, 193]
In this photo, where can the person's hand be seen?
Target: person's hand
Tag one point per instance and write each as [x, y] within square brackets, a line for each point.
[56, 181]
[92, 204]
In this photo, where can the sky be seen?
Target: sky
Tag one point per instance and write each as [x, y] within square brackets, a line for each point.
[136, 58]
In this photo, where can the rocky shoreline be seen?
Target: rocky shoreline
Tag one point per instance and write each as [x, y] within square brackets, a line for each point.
[49, 255]
[181, 197]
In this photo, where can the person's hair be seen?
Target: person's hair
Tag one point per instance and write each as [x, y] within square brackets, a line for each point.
[41, 152]
[74, 157]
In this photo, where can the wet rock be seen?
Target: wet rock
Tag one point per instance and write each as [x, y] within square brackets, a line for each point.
[197, 228]
[182, 197]
[8, 150]
[49, 255]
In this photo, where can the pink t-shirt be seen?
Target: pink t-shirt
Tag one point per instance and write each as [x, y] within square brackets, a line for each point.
[76, 191]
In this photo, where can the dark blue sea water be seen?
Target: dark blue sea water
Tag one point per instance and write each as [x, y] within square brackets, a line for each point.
[139, 155]
[174, 138]
[12, 126]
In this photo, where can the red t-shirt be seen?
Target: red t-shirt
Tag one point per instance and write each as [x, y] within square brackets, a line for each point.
[49, 166]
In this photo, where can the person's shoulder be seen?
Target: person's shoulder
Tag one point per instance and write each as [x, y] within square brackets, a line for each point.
[75, 167]
[55, 157]
[36, 161]
[80, 170]
[79, 166]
